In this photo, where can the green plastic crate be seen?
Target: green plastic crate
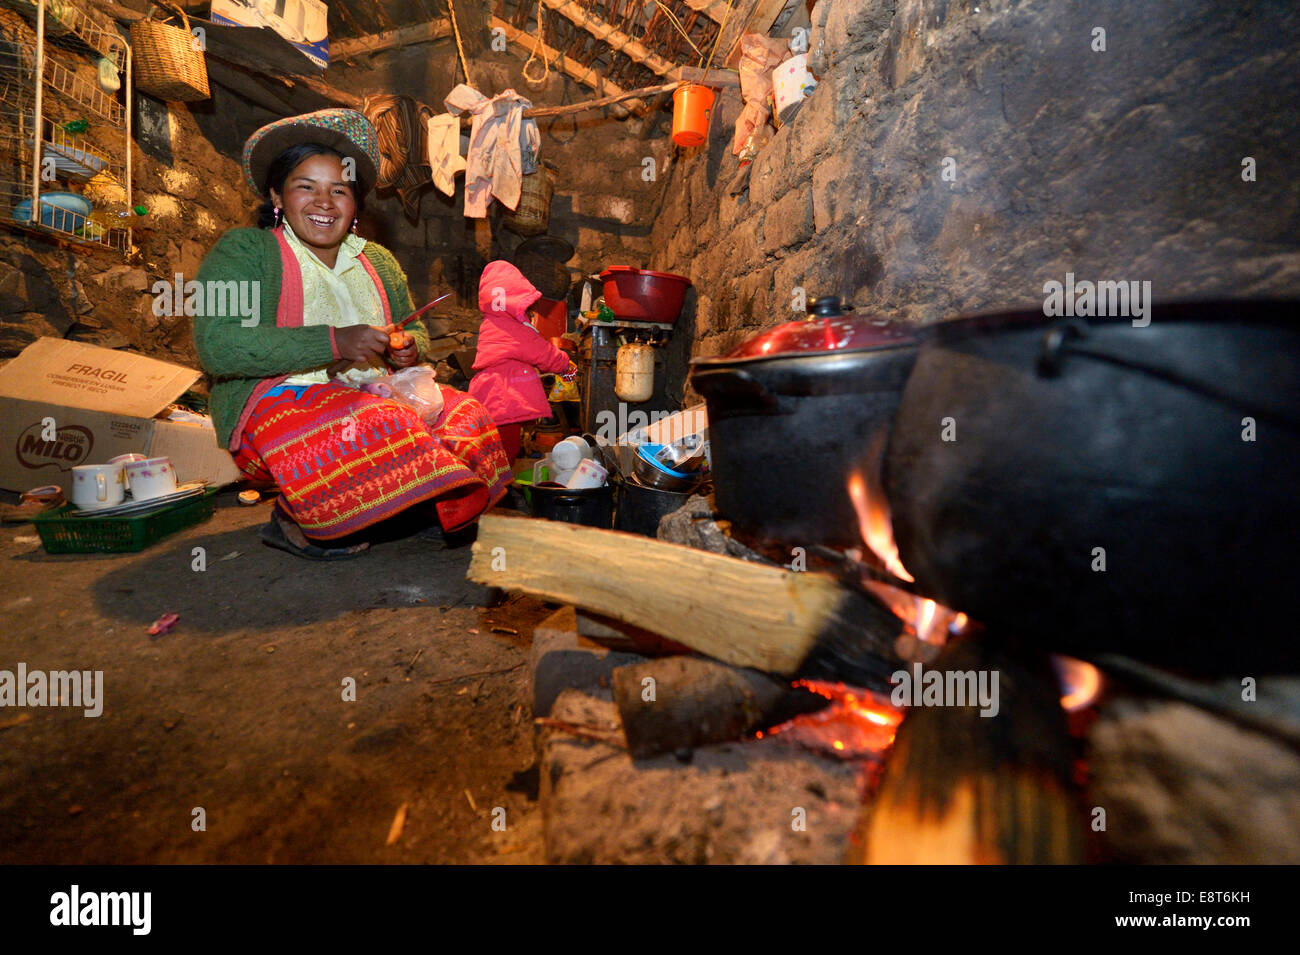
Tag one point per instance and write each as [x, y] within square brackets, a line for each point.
[62, 533]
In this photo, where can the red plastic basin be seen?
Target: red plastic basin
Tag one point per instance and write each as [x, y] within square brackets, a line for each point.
[644, 296]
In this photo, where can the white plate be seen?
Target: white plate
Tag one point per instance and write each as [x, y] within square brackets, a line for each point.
[193, 489]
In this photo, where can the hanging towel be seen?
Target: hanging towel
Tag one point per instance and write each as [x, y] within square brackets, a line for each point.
[444, 151]
[503, 146]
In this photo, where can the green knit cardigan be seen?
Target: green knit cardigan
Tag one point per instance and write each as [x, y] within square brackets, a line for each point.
[237, 358]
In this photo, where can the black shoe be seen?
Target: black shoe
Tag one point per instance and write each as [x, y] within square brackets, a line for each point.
[282, 534]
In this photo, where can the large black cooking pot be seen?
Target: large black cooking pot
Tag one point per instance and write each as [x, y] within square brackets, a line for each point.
[1075, 442]
[590, 506]
[790, 411]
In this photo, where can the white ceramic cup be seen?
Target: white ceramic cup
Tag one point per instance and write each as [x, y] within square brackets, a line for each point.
[95, 486]
[569, 453]
[589, 473]
[124, 460]
[150, 478]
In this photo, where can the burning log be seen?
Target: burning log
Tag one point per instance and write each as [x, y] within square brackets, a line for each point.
[683, 702]
[742, 613]
[964, 788]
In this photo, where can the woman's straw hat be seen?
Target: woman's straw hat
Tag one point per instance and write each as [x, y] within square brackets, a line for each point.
[344, 130]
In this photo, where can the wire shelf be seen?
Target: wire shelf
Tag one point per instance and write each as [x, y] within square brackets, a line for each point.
[95, 34]
[40, 92]
[17, 63]
[55, 222]
[69, 22]
[82, 91]
[75, 157]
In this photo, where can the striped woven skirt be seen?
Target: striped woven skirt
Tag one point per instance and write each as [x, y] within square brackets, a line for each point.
[345, 460]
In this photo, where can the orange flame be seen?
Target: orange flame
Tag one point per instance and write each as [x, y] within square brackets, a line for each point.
[875, 525]
[930, 621]
[1080, 682]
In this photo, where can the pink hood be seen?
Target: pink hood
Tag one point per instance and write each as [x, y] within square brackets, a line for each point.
[503, 290]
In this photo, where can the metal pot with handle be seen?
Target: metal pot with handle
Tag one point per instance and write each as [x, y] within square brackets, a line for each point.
[1101, 487]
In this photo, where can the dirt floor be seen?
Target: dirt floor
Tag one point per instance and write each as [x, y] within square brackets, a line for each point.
[239, 710]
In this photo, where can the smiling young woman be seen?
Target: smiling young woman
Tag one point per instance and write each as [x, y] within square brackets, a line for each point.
[317, 202]
[285, 400]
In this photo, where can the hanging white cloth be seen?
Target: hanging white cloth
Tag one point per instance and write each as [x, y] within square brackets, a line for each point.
[444, 151]
[503, 147]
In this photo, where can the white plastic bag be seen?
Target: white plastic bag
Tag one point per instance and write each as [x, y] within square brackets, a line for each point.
[418, 388]
[414, 386]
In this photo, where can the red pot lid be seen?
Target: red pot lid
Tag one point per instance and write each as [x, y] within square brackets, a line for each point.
[611, 270]
[811, 336]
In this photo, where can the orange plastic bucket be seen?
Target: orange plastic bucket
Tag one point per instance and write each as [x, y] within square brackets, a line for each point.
[692, 105]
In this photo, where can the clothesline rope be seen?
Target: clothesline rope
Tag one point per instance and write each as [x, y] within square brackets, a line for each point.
[455, 29]
[537, 45]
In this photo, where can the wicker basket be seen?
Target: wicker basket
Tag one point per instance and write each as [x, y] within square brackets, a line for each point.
[533, 214]
[549, 277]
[168, 63]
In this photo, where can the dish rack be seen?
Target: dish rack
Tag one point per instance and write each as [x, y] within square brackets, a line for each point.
[65, 531]
[58, 129]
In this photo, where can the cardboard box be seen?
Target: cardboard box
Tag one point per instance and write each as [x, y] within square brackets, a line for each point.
[96, 403]
[301, 22]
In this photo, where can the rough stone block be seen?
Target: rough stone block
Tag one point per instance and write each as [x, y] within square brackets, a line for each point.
[1182, 786]
[789, 221]
[855, 26]
[840, 189]
[743, 244]
[814, 130]
[771, 174]
[753, 300]
[19, 331]
[560, 660]
[705, 316]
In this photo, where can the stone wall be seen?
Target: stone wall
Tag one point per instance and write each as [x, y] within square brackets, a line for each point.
[187, 172]
[957, 155]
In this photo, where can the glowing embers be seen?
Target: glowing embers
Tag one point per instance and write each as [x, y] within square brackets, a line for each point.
[859, 724]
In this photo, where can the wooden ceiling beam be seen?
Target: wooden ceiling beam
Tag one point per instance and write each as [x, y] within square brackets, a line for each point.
[615, 39]
[749, 16]
[715, 10]
[570, 66]
[390, 39]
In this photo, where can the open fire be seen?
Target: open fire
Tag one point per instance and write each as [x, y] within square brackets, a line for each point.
[861, 724]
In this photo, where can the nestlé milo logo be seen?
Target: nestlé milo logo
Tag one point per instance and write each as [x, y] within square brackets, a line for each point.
[71, 446]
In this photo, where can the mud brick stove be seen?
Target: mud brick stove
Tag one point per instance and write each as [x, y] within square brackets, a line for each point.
[1050, 631]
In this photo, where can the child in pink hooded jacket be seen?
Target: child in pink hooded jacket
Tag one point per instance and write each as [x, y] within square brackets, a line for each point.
[510, 354]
